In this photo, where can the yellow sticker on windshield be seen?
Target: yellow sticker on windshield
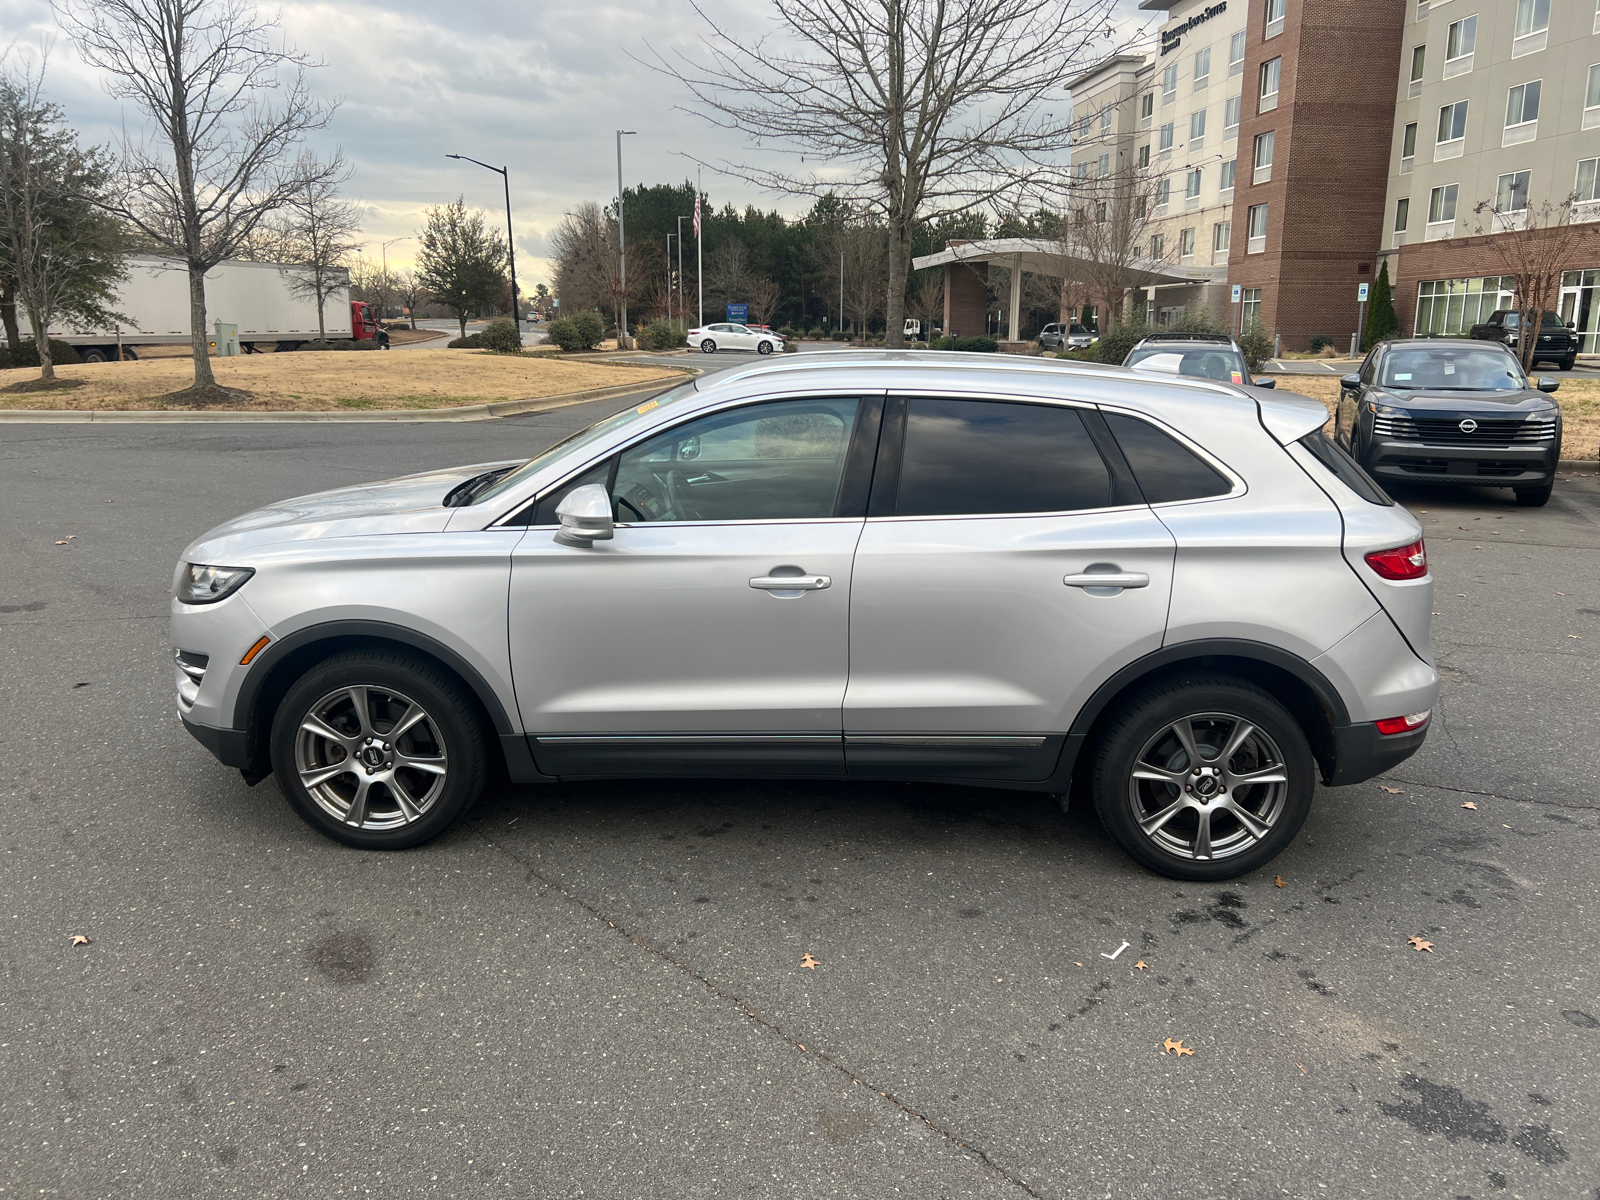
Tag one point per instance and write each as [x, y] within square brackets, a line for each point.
[1237, 378]
[646, 407]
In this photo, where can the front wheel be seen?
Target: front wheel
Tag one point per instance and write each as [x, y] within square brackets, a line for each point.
[1535, 497]
[764, 348]
[708, 347]
[1569, 361]
[378, 750]
[1204, 778]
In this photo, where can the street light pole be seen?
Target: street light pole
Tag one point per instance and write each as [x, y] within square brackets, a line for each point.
[622, 246]
[681, 315]
[511, 238]
[669, 277]
[385, 249]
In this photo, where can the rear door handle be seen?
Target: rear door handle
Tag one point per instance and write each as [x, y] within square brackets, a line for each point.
[792, 583]
[1128, 579]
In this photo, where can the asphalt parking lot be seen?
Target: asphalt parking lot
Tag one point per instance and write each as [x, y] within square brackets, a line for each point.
[598, 990]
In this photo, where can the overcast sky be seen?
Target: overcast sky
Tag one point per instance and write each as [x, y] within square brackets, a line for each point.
[539, 89]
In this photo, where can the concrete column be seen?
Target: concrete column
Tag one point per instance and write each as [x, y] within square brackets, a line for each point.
[1015, 324]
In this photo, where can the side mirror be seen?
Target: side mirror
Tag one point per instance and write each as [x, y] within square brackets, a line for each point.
[1548, 383]
[585, 516]
[1267, 383]
[1350, 382]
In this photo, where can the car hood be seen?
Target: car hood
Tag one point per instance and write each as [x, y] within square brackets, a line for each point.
[1445, 401]
[409, 504]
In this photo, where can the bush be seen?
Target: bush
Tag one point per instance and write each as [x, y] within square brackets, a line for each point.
[341, 344]
[791, 348]
[971, 345]
[1087, 354]
[473, 341]
[581, 331]
[661, 335]
[1320, 341]
[502, 336]
[837, 335]
[26, 354]
[1257, 343]
[788, 331]
[1116, 340]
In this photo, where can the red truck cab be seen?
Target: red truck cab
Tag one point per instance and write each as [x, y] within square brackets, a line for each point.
[364, 326]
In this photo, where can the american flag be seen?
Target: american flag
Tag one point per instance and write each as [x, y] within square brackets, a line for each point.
[697, 214]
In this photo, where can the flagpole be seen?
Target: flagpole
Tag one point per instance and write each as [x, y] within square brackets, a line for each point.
[699, 251]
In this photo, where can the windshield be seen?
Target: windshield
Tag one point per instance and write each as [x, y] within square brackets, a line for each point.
[582, 438]
[1222, 363]
[1456, 369]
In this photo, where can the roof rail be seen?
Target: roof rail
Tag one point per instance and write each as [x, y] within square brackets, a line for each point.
[1226, 338]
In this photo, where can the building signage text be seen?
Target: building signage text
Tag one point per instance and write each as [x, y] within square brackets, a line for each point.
[1170, 38]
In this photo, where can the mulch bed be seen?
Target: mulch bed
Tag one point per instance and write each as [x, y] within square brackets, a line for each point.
[212, 396]
[44, 385]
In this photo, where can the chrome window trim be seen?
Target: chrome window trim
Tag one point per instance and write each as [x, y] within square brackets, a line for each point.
[1240, 487]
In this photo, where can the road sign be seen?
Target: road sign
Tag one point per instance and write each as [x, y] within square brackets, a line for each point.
[1361, 292]
[738, 313]
[1238, 290]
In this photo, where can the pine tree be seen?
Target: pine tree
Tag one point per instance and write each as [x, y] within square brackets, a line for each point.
[1382, 322]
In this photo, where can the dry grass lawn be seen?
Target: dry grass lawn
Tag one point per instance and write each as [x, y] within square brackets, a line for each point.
[331, 380]
[1579, 400]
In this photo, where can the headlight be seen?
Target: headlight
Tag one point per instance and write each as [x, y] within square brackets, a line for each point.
[201, 584]
[1386, 410]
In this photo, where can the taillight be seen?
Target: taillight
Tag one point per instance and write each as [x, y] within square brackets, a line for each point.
[1406, 723]
[1403, 562]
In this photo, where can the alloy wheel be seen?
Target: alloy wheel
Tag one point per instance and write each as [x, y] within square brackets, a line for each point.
[371, 757]
[1208, 786]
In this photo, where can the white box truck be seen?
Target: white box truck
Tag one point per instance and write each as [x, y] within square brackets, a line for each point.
[254, 296]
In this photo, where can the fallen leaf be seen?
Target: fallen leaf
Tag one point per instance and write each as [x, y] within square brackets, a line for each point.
[1419, 945]
[1141, 965]
[808, 962]
[1176, 1047]
[76, 686]
[1471, 805]
[1303, 1071]
[80, 939]
[1577, 636]
[1077, 964]
[1279, 881]
[1391, 791]
[68, 538]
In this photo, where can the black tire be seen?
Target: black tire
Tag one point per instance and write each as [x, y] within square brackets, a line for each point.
[1535, 497]
[1143, 732]
[383, 341]
[708, 347]
[286, 347]
[95, 354]
[451, 725]
[128, 355]
[1569, 362]
[763, 347]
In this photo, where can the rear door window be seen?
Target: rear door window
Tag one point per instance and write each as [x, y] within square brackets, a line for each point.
[1167, 470]
[981, 457]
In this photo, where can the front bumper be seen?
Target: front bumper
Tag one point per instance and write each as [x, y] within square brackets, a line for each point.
[231, 747]
[1473, 466]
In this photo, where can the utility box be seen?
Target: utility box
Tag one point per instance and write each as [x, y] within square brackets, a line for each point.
[227, 341]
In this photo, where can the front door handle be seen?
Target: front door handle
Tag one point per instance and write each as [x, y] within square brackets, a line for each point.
[792, 583]
[1124, 579]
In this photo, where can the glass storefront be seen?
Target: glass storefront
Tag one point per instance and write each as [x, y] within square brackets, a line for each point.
[1450, 307]
[1580, 309]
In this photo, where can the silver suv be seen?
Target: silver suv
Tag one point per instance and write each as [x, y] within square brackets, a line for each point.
[1173, 596]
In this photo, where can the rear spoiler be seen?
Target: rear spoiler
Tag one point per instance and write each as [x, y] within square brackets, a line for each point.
[1289, 418]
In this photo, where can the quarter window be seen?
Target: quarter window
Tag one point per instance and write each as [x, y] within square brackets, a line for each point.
[1165, 469]
[987, 457]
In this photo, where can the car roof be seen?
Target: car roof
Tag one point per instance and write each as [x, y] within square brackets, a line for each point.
[1439, 343]
[1197, 339]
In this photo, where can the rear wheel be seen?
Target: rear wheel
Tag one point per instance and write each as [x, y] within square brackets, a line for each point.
[95, 354]
[764, 348]
[378, 750]
[1204, 778]
[708, 347]
[1535, 497]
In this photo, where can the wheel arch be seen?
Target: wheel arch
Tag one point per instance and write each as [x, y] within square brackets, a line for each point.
[282, 662]
[1305, 691]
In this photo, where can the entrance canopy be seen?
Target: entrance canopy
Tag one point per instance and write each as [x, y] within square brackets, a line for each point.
[1042, 256]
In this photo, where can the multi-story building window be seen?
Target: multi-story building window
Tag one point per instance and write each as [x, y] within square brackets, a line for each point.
[1408, 148]
[1165, 140]
[1511, 192]
[1186, 243]
[1202, 68]
[1402, 216]
[1522, 113]
[1227, 174]
[1230, 117]
[1099, 212]
[1103, 167]
[1191, 183]
[1419, 64]
[1588, 185]
[1591, 95]
[1532, 27]
[1105, 117]
[1197, 128]
[1147, 108]
[1275, 13]
[1220, 233]
[1144, 155]
[1250, 306]
[1460, 39]
[1163, 192]
[1450, 307]
[1263, 157]
[1271, 74]
[1256, 229]
[1442, 212]
[1236, 54]
[1083, 170]
[1169, 84]
[1157, 246]
[1450, 138]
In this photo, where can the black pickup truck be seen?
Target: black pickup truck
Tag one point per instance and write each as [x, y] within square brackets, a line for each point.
[1558, 341]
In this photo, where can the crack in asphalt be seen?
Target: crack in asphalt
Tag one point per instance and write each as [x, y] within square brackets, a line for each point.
[1493, 795]
[756, 1018]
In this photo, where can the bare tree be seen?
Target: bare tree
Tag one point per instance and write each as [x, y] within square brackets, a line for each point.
[205, 72]
[584, 247]
[374, 283]
[927, 298]
[910, 104]
[1107, 233]
[1534, 251]
[408, 287]
[728, 276]
[320, 234]
[61, 255]
[762, 296]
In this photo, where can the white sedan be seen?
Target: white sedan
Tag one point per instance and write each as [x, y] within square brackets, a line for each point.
[728, 336]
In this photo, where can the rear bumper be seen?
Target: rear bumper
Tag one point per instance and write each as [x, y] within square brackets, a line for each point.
[1474, 466]
[1361, 752]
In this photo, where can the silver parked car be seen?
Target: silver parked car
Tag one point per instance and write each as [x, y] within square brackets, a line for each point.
[1174, 597]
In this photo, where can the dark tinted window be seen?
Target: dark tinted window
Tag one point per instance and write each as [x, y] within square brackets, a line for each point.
[1346, 468]
[985, 456]
[1165, 469]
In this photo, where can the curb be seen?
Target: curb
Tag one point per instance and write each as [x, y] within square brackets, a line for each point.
[469, 412]
[1587, 466]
